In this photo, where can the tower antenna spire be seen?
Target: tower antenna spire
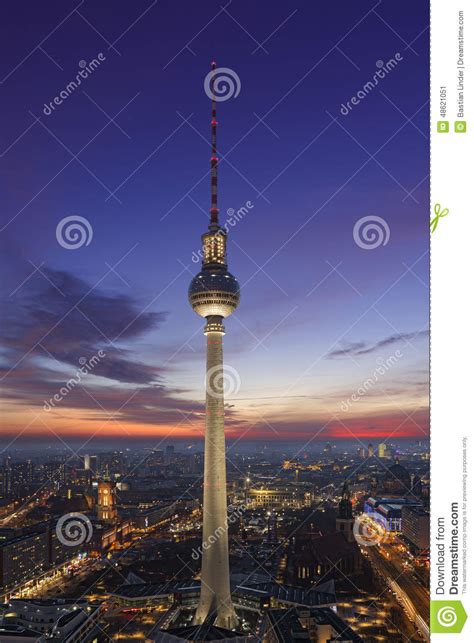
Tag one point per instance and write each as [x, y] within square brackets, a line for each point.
[214, 211]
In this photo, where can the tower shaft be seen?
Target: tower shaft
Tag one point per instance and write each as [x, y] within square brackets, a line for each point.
[215, 581]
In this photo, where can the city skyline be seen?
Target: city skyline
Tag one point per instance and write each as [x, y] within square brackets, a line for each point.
[330, 311]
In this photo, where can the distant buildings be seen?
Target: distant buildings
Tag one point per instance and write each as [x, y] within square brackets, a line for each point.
[328, 448]
[396, 480]
[15, 478]
[278, 497]
[370, 450]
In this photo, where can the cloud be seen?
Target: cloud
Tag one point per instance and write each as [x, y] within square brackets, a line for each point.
[352, 349]
[56, 319]
[60, 317]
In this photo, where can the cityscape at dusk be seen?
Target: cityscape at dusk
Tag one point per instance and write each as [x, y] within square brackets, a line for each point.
[261, 473]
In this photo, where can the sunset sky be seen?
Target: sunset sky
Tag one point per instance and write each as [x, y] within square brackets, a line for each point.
[129, 151]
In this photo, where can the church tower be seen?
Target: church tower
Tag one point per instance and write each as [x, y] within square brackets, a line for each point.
[345, 519]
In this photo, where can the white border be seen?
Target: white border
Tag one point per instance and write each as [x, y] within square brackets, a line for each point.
[452, 309]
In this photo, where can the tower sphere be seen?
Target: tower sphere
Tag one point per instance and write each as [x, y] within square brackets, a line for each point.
[214, 291]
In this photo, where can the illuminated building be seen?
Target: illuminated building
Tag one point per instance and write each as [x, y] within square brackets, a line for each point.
[22, 558]
[416, 528]
[370, 450]
[71, 620]
[387, 512]
[279, 498]
[105, 535]
[26, 556]
[106, 510]
[214, 294]
[381, 450]
[54, 472]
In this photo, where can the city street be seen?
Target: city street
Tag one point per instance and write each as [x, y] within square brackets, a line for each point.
[403, 583]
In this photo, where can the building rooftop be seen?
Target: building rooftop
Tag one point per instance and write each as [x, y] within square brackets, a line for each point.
[283, 593]
[142, 590]
[418, 509]
[17, 631]
[288, 594]
[49, 602]
[204, 632]
[289, 625]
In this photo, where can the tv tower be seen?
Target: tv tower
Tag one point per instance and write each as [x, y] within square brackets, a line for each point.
[214, 294]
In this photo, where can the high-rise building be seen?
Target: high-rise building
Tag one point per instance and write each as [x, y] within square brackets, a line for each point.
[381, 450]
[370, 450]
[328, 448]
[23, 557]
[416, 527]
[54, 472]
[214, 294]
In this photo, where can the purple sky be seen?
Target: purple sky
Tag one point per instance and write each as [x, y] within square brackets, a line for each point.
[318, 312]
